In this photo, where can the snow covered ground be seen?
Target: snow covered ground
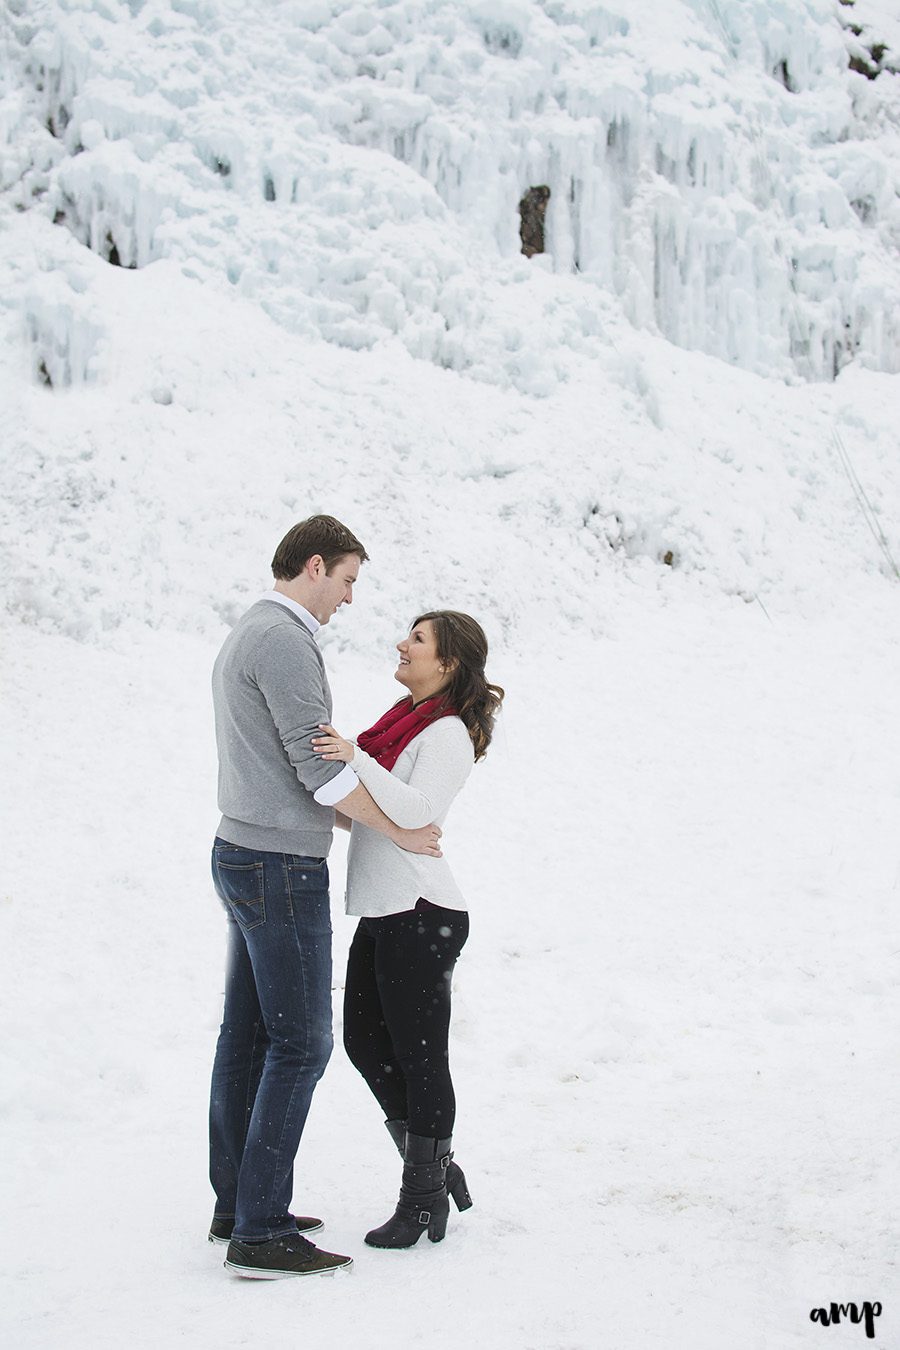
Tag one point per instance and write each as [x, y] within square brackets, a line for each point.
[674, 1033]
[674, 1036]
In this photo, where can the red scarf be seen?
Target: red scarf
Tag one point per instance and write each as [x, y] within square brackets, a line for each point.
[393, 732]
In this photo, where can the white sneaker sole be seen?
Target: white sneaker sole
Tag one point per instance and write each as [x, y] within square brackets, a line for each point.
[249, 1274]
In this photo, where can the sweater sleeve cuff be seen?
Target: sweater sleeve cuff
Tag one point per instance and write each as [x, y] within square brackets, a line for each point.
[337, 788]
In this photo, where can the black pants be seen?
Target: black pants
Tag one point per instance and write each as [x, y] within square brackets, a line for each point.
[397, 1012]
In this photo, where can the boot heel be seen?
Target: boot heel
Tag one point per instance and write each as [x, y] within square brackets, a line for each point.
[459, 1190]
[423, 1205]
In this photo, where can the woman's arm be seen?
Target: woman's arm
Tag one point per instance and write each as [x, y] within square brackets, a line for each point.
[344, 822]
[443, 762]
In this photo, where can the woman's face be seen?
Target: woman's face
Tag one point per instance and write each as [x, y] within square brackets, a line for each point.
[420, 668]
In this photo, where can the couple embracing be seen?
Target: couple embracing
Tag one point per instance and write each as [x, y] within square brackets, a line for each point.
[286, 777]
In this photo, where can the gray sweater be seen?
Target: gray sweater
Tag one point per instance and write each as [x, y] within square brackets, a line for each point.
[270, 693]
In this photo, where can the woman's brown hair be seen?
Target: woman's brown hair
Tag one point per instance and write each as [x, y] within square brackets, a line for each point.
[461, 639]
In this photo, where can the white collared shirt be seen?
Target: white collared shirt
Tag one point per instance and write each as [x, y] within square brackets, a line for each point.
[344, 782]
[310, 620]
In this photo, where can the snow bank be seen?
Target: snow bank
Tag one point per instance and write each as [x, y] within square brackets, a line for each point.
[156, 493]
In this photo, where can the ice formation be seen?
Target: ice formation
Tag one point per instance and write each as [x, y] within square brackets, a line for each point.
[716, 169]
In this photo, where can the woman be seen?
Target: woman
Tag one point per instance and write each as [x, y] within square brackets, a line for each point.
[413, 921]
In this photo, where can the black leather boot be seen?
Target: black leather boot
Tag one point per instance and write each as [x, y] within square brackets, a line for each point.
[457, 1188]
[423, 1205]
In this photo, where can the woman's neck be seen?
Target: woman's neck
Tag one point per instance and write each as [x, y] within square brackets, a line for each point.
[423, 695]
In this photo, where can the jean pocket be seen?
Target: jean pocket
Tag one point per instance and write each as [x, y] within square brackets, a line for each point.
[310, 869]
[243, 887]
[306, 874]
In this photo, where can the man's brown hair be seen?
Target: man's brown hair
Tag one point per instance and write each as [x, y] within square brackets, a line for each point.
[317, 534]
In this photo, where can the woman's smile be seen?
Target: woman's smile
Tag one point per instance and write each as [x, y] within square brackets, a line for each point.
[420, 668]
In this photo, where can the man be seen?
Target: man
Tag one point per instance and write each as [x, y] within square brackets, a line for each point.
[277, 799]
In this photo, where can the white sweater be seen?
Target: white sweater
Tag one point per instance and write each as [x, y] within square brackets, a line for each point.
[382, 878]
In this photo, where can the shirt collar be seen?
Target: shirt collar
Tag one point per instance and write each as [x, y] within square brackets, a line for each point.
[310, 620]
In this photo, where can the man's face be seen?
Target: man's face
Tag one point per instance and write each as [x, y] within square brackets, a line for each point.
[335, 588]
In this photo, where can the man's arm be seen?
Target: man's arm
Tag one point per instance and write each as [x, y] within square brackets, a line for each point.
[287, 670]
[290, 677]
[358, 805]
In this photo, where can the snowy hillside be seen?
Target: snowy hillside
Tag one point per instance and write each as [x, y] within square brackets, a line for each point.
[271, 176]
[260, 259]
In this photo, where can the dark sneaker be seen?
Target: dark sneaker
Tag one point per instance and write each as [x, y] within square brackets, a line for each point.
[281, 1257]
[220, 1229]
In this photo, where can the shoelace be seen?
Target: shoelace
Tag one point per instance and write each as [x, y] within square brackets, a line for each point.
[300, 1245]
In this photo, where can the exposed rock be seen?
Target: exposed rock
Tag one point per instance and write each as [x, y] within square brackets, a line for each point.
[532, 209]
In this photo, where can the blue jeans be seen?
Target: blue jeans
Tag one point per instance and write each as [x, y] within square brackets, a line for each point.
[275, 1038]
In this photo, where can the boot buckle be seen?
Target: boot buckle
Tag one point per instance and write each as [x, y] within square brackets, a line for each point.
[424, 1216]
